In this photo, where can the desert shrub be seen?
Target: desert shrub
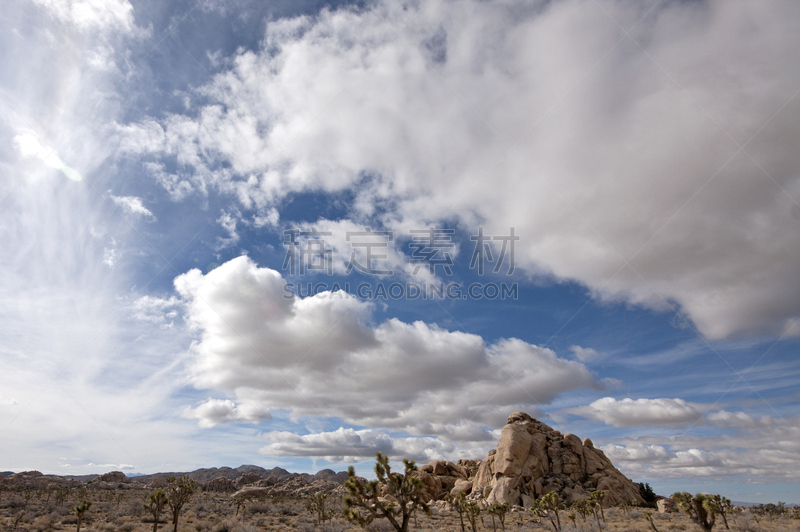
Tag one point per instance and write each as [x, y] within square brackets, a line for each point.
[13, 502]
[258, 507]
[133, 508]
[746, 523]
[230, 525]
[42, 523]
[379, 526]
[226, 525]
[126, 527]
[162, 519]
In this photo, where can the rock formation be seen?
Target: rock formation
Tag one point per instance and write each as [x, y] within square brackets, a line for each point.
[531, 459]
[219, 484]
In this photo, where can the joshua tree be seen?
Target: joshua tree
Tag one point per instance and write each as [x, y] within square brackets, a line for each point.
[118, 497]
[179, 492]
[472, 510]
[598, 496]
[61, 495]
[458, 506]
[649, 515]
[316, 505]
[723, 507]
[241, 505]
[393, 496]
[582, 506]
[548, 506]
[498, 510]
[700, 508]
[79, 510]
[156, 503]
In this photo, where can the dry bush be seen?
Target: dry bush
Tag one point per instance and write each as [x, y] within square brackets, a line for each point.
[379, 526]
[746, 523]
[132, 508]
[229, 525]
[42, 523]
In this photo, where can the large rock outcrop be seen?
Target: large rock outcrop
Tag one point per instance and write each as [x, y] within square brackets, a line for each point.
[532, 459]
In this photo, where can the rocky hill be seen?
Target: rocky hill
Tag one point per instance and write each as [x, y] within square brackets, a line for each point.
[531, 459]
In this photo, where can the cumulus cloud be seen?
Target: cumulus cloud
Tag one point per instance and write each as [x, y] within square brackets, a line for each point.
[726, 419]
[584, 354]
[349, 445]
[322, 356]
[215, 411]
[633, 412]
[634, 164]
[771, 453]
[132, 205]
[116, 467]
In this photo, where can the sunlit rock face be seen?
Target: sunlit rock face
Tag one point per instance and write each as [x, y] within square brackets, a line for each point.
[532, 459]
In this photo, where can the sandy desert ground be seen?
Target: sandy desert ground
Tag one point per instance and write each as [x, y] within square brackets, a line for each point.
[122, 510]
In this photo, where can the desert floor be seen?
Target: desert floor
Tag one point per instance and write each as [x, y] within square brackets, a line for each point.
[211, 512]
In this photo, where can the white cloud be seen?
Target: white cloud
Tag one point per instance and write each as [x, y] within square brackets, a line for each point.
[726, 419]
[630, 413]
[269, 217]
[349, 445]
[228, 222]
[116, 467]
[215, 411]
[584, 354]
[625, 172]
[29, 145]
[769, 454]
[91, 15]
[321, 356]
[156, 310]
[132, 205]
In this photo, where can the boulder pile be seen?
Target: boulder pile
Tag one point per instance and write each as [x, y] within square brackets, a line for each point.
[531, 459]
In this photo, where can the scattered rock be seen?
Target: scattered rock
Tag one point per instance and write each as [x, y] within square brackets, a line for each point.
[666, 506]
[111, 480]
[247, 479]
[220, 484]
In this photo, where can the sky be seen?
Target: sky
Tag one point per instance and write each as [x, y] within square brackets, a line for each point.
[296, 233]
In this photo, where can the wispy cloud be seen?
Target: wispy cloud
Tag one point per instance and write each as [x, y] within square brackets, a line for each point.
[132, 205]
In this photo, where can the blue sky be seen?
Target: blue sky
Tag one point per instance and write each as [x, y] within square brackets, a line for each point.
[157, 156]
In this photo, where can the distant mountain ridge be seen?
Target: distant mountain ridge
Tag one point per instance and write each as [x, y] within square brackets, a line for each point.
[206, 474]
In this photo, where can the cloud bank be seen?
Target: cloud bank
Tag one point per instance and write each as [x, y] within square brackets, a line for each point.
[325, 357]
[604, 132]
